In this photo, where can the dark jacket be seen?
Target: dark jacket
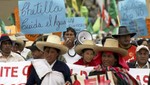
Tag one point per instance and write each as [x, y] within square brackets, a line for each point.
[133, 64]
[58, 66]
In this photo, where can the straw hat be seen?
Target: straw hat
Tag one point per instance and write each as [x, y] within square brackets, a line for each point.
[123, 30]
[19, 41]
[87, 44]
[53, 41]
[113, 46]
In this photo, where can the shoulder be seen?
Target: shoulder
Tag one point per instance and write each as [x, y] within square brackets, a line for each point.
[131, 64]
[15, 55]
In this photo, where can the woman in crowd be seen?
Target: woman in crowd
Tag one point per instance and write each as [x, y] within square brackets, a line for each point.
[49, 71]
[111, 59]
[87, 51]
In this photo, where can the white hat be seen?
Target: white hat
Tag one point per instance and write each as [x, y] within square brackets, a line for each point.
[142, 47]
[53, 41]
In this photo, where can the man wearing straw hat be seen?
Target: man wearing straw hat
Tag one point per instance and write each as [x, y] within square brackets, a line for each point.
[124, 38]
[49, 71]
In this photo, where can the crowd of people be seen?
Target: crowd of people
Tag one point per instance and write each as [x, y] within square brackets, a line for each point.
[49, 54]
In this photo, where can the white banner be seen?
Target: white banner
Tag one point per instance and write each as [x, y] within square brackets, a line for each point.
[15, 73]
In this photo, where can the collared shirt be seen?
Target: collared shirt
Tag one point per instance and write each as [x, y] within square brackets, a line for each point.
[71, 59]
[145, 66]
[13, 57]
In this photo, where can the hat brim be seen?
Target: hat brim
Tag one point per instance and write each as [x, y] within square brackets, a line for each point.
[41, 44]
[19, 42]
[79, 48]
[131, 34]
[120, 51]
[32, 48]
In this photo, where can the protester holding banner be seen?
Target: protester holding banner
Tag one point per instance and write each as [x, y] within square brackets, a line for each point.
[124, 38]
[69, 40]
[111, 59]
[87, 50]
[142, 55]
[49, 71]
[6, 54]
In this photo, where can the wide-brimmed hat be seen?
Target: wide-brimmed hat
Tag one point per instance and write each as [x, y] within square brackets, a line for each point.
[113, 46]
[53, 41]
[32, 46]
[123, 30]
[87, 44]
[19, 41]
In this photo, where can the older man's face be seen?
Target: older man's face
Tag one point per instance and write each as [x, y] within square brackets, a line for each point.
[142, 56]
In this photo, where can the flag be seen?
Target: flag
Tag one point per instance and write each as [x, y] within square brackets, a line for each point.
[112, 9]
[96, 25]
[75, 5]
[89, 28]
[84, 13]
[104, 14]
[11, 18]
[2, 26]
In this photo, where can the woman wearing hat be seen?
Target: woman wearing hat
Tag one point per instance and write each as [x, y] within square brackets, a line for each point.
[111, 59]
[87, 50]
[49, 71]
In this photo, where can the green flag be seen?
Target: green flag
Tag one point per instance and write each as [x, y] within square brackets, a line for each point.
[89, 28]
[96, 25]
[11, 18]
[2, 25]
[84, 13]
[112, 9]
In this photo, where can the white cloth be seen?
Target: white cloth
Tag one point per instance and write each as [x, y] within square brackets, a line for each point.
[25, 52]
[70, 59]
[43, 68]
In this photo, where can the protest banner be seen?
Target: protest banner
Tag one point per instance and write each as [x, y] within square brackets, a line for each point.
[78, 23]
[128, 10]
[148, 28]
[138, 26]
[14, 73]
[140, 74]
[38, 17]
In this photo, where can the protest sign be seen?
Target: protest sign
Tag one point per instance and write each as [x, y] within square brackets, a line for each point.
[38, 17]
[140, 74]
[138, 26]
[128, 10]
[14, 73]
[78, 23]
[148, 28]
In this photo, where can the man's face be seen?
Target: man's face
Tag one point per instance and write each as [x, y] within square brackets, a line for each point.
[69, 37]
[124, 40]
[6, 46]
[142, 56]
